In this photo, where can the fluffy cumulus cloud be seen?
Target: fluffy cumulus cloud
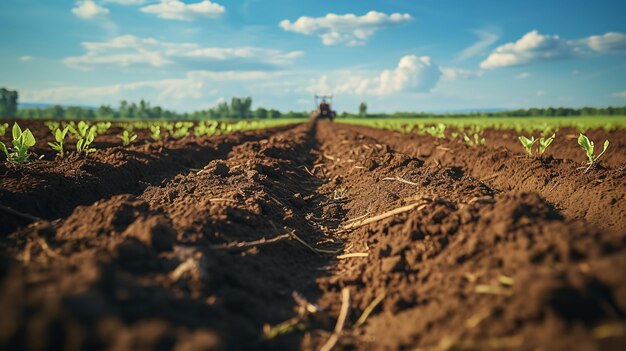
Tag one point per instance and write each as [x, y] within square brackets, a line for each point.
[609, 42]
[536, 47]
[88, 9]
[619, 94]
[178, 10]
[413, 74]
[127, 50]
[532, 47]
[348, 29]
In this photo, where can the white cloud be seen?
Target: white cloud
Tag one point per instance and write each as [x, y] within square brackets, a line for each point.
[414, 74]
[486, 39]
[522, 75]
[88, 9]
[609, 42]
[619, 94]
[127, 50]
[178, 10]
[532, 47]
[541, 93]
[348, 29]
[535, 47]
[26, 58]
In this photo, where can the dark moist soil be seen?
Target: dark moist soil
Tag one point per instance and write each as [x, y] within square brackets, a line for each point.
[209, 243]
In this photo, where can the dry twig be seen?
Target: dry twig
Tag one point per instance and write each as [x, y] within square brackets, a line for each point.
[341, 320]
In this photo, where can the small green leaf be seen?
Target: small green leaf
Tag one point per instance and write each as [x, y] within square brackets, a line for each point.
[583, 141]
[29, 138]
[4, 149]
[17, 131]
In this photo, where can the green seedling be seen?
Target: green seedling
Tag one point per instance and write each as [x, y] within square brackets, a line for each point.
[102, 127]
[180, 130]
[59, 138]
[127, 137]
[3, 128]
[588, 146]
[81, 129]
[544, 143]
[473, 141]
[438, 130]
[22, 140]
[155, 132]
[83, 144]
[527, 144]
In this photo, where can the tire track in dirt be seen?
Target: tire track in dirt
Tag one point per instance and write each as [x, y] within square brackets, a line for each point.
[55, 190]
[596, 196]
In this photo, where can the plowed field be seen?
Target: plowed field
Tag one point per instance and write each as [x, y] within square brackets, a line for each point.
[314, 236]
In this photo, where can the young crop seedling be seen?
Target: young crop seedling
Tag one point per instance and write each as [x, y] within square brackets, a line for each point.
[81, 129]
[155, 132]
[438, 130]
[473, 141]
[127, 137]
[59, 138]
[180, 130]
[83, 144]
[544, 143]
[22, 140]
[527, 144]
[3, 128]
[588, 146]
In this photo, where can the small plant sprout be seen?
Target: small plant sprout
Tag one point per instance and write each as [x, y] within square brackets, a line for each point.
[155, 132]
[22, 140]
[473, 141]
[527, 144]
[588, 146]
[83, 144]
[127, 137]
[3, 128]
[59, 138]
[544, 143]
[438, 130]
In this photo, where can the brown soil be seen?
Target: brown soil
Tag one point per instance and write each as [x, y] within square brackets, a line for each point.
[206, 244]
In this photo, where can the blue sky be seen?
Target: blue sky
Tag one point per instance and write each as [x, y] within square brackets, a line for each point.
[426, 55]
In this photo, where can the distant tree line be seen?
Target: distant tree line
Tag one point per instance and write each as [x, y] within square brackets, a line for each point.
[241, 108]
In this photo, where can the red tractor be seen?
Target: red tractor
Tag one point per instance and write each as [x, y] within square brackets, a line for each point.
[323, 108]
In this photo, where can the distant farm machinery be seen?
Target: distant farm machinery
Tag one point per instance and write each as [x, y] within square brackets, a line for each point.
[323, 108]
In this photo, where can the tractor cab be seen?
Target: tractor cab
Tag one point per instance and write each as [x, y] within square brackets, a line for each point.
[323, 108]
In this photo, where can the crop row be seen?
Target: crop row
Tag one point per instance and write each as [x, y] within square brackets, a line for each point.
[519, 124]
[471, 132]
[82, 134]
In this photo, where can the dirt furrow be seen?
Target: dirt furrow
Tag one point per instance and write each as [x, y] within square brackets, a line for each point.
[56, 189]
[596, 196]
[467, 269]
[206, 259]
[256, 249]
